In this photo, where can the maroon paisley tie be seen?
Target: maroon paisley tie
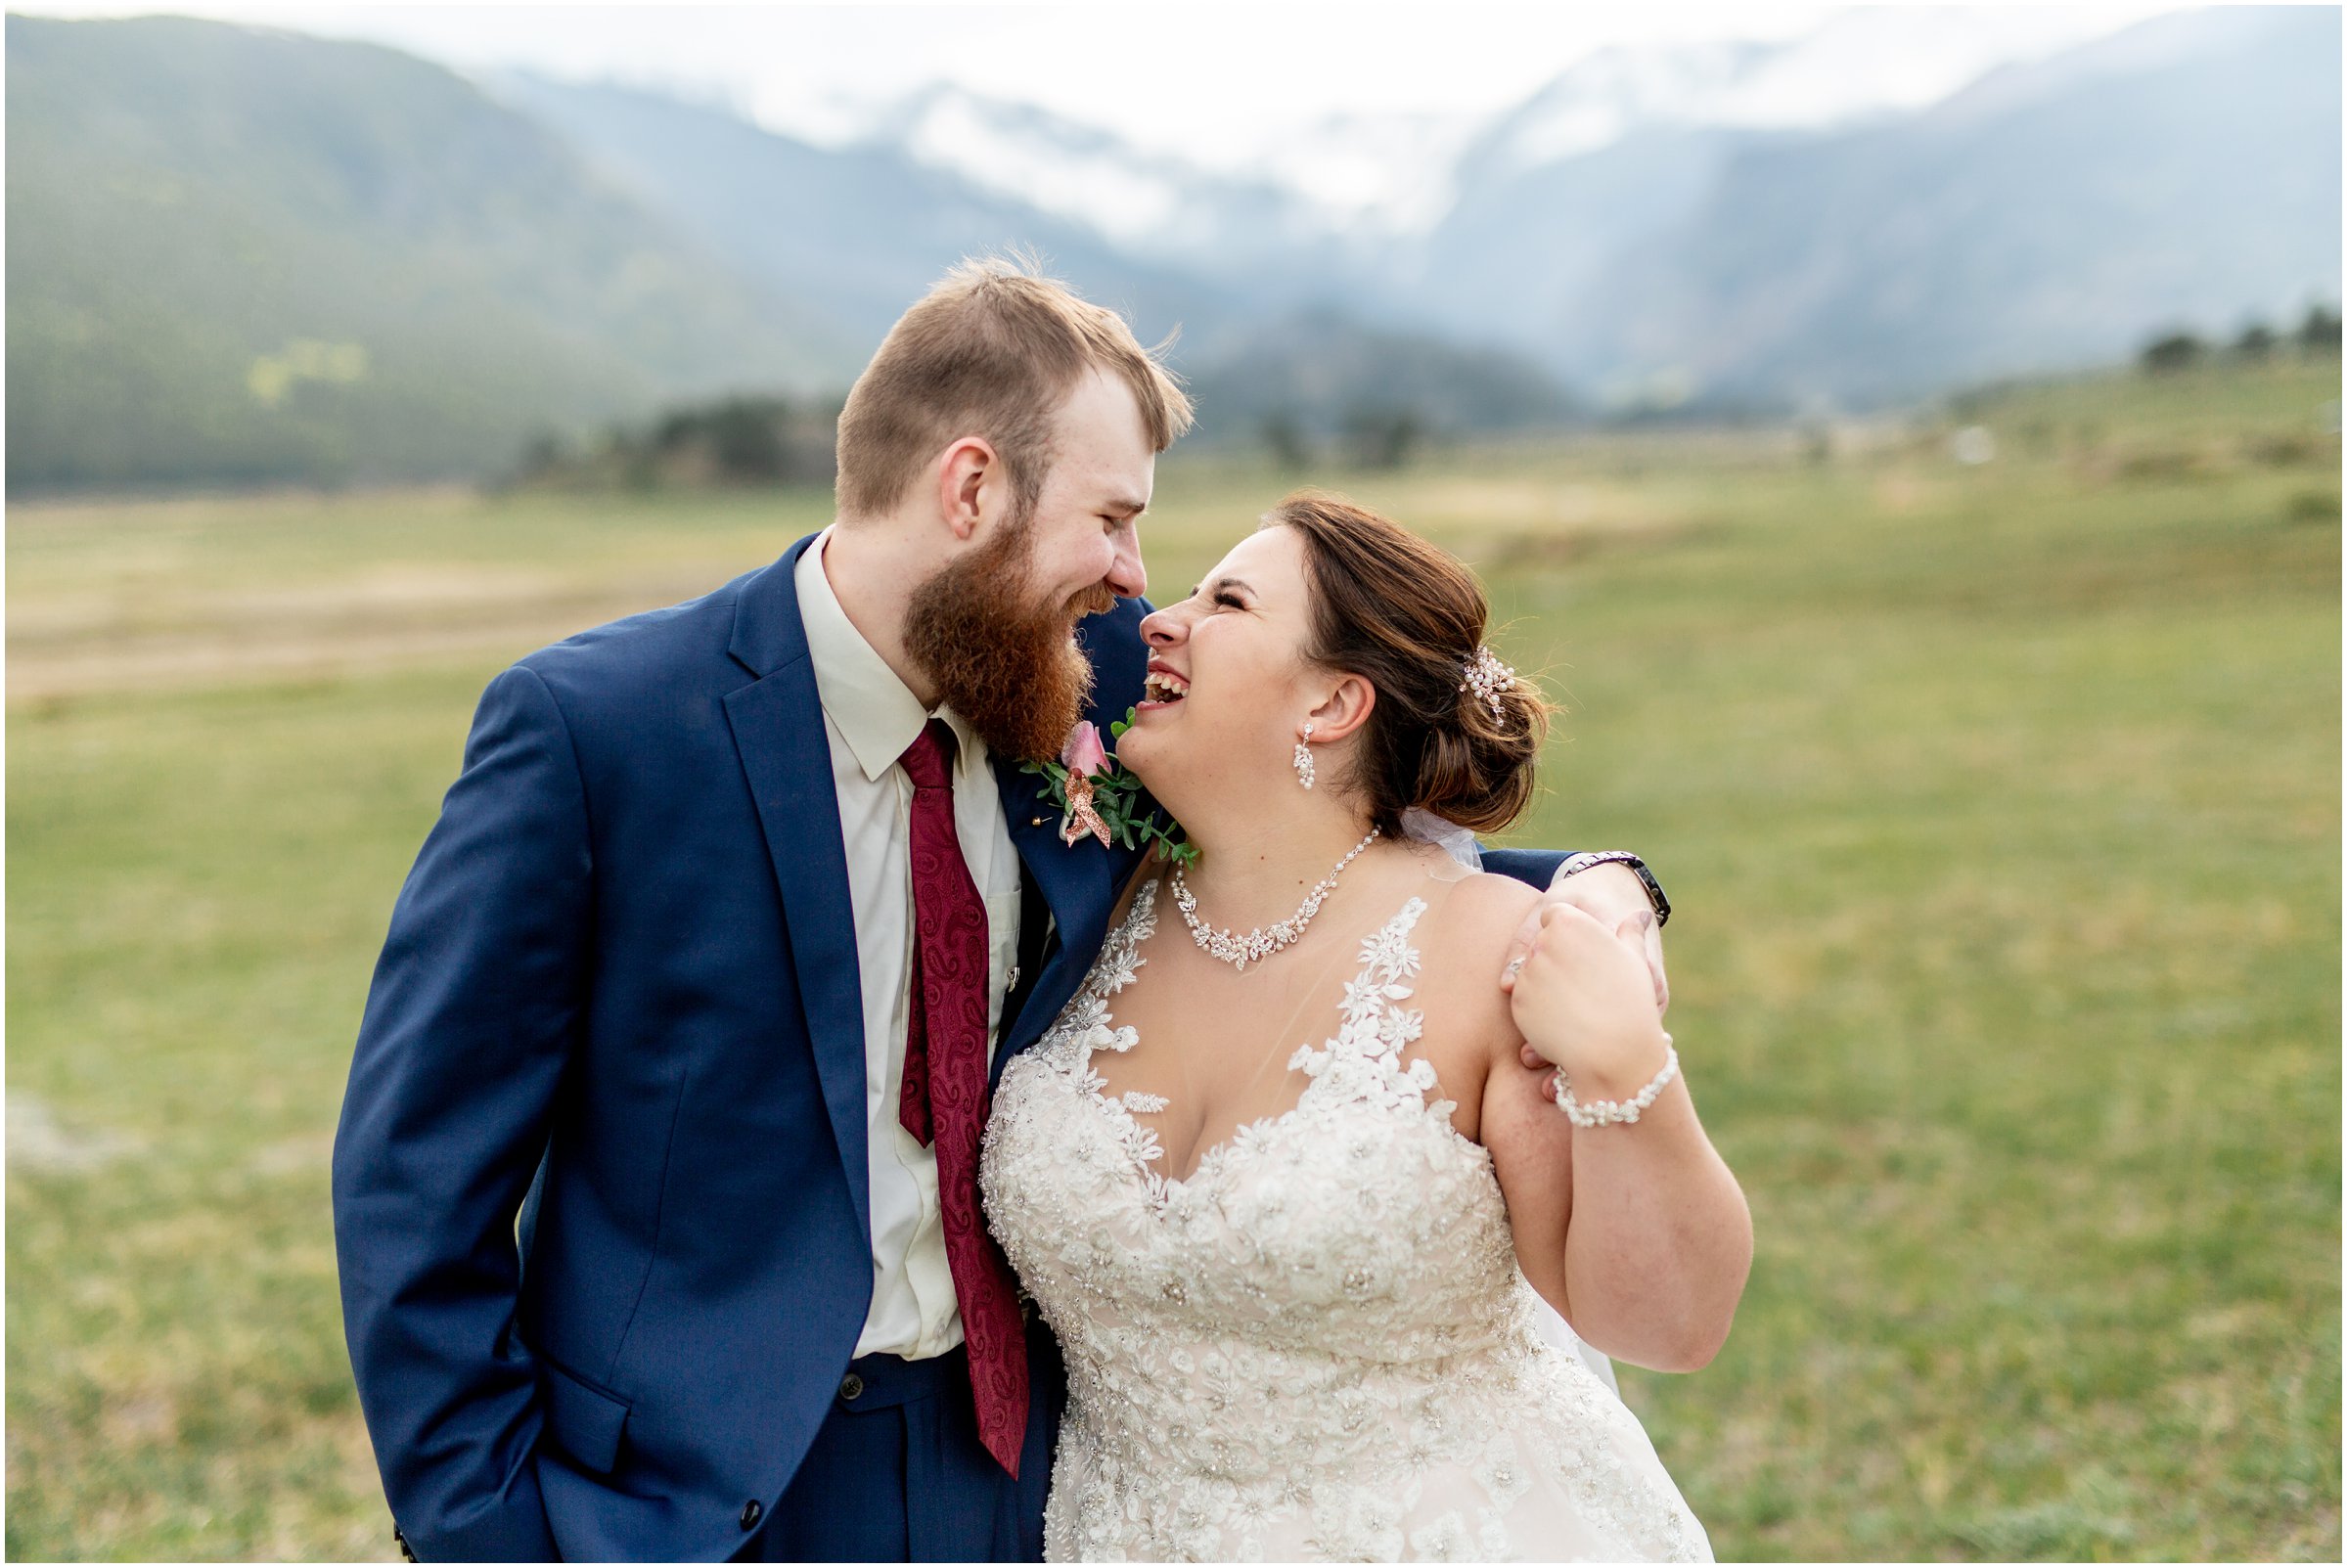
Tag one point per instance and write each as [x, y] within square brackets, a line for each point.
[944, 1101]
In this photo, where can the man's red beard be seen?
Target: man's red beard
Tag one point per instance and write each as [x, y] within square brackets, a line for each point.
[1004, 663]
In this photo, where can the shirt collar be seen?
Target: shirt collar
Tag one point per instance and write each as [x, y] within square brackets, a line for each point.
[875, 712]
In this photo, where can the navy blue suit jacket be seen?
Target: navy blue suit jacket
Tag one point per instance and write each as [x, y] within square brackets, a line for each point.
[619, 1003]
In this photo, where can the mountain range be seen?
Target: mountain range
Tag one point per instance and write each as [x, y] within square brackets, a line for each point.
[246, 255]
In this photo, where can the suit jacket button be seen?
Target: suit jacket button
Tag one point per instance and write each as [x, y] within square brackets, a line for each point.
[851, 1387]
[751, 1512]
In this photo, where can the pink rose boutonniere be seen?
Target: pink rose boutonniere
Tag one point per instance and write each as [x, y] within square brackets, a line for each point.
[1099, 798]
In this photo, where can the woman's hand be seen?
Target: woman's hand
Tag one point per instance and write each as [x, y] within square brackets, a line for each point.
[1611, 894]
[1584, 1001]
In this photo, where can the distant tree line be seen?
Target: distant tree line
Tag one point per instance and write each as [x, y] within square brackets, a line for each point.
[750, 441]
[733, 442]
[1367, 436]
[1321, 387]
[753, 441]
[2316, 333]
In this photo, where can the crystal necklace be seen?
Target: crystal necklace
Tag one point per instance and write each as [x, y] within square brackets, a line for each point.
[1257, 945]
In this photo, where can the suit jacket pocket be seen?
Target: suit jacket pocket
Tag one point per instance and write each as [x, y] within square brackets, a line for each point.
[585, 1421]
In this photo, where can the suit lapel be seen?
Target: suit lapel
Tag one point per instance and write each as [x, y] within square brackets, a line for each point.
[1078, 883]
[785, 754]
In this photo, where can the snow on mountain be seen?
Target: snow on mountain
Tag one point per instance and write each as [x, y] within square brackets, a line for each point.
[1070, 169]
[1373, 174]
[1370, 175]
[1603, 98]
[1152, 206]
[1379, 172]
[1856, 65]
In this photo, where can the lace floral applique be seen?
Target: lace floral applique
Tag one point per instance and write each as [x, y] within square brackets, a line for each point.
[1377, 1030]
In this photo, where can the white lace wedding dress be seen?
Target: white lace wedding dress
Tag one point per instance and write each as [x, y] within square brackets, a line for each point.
[1318, 1345]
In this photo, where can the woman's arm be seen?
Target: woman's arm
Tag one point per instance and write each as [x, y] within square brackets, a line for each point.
[1657, 1241]
[1638, 1234]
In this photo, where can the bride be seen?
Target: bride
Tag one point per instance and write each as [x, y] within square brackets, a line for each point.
[1286, 1194]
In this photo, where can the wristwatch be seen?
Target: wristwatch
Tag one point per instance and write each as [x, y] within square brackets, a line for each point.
[1618, 857]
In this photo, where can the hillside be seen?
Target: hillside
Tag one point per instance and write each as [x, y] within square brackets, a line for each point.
[242, 255]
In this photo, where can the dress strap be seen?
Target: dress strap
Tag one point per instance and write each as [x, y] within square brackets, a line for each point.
[1120, 955]
[1387, 963]
[1365, 1057]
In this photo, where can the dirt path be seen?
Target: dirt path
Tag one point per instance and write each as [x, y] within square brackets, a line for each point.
[92, 644]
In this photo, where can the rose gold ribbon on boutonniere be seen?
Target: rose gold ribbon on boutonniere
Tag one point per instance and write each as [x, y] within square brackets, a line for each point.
[1081, 817]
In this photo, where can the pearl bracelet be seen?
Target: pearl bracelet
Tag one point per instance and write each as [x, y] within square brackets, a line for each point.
[1597, 1113]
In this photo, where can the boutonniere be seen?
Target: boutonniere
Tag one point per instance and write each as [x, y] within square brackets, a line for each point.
[1096, 796]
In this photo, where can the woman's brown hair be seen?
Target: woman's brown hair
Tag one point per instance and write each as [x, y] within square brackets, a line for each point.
[1408, 618]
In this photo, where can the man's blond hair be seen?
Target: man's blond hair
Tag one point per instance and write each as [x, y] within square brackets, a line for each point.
[992, 351]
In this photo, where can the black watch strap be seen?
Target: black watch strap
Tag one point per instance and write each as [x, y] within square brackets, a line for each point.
[1621, 857]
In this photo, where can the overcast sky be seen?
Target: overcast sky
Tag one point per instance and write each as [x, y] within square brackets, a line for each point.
[1217, 83]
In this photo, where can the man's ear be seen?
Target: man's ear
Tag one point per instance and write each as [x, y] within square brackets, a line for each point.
[1344, 709]
[966, 472]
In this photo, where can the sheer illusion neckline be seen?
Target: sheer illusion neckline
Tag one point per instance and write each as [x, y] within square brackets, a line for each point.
[1373, 1025]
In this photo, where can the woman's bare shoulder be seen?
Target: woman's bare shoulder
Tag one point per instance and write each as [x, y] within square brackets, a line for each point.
[1481, 916]
[1466, 942]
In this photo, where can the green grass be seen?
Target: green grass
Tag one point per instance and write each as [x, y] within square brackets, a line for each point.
[2000, 806]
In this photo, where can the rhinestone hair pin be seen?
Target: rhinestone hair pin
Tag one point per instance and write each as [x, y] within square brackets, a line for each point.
[1487, 678]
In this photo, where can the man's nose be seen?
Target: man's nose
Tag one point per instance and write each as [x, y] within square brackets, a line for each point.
[1126, 574]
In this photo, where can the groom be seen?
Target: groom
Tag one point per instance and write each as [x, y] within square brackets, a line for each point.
[655, 1185]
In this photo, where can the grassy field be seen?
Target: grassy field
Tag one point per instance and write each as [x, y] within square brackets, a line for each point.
[2000, 804]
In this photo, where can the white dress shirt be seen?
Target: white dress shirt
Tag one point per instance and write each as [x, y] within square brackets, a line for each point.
[870, 718]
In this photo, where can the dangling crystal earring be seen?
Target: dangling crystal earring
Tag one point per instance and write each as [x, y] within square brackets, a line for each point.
[1304, 760]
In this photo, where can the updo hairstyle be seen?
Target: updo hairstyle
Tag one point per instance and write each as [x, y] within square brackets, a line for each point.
[1408, 618]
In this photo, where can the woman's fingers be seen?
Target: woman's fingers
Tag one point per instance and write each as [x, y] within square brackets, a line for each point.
[1550, 914]
[1519, 948]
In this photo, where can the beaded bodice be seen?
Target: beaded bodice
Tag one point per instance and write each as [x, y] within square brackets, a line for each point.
[1317, 1344]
